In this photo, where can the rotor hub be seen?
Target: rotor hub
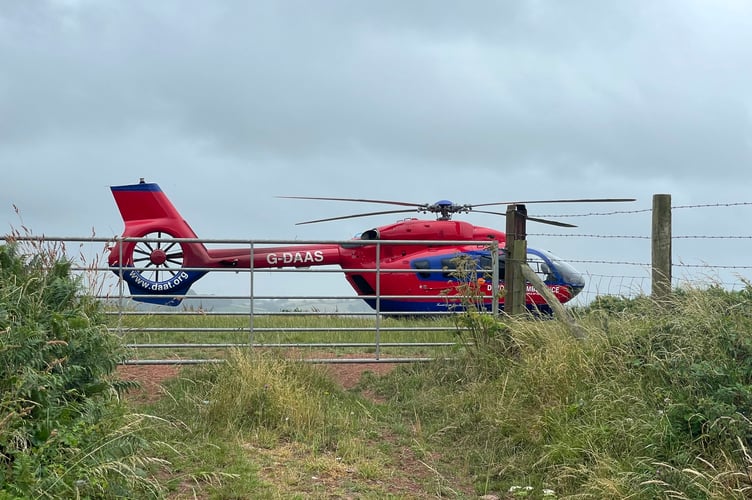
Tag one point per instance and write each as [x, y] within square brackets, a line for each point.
[158, 257]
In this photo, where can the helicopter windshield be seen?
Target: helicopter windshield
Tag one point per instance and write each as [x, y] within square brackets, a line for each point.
[566, 272]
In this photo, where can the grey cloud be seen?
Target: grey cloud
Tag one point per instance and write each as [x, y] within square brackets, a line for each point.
[384, 99]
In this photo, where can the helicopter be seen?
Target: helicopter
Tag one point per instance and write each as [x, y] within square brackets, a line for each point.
[159, 266]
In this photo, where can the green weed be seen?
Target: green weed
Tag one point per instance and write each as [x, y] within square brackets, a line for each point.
[63, 430]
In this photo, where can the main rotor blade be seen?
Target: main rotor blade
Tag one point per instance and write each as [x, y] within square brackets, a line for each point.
[354, 216]
[534, 219]
[550, 222]
[487, 212]
[359, 200]
[580, 200]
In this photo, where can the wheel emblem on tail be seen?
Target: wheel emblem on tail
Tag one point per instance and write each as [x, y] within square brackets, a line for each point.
[154, 270]
[159, 258]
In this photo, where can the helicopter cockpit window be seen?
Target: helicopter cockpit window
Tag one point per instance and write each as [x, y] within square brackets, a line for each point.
[448, 267]
[567, 273]
[371, 234]
[423, 264]
[542, 269]
[485, 264]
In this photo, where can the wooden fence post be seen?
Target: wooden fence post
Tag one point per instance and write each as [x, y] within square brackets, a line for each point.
[661, 247]
[516, 247]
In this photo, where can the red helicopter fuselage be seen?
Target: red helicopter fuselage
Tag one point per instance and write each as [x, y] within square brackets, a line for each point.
[382, 265]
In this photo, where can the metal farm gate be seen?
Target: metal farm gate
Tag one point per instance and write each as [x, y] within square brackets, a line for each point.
[271, 309]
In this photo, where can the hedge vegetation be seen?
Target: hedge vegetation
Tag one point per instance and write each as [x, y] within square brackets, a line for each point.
[64, 432]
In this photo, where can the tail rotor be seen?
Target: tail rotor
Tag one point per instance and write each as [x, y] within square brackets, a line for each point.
[157, 268]
[158, 256]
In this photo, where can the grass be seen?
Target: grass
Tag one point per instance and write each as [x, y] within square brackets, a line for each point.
[655, 403]
[286, 429]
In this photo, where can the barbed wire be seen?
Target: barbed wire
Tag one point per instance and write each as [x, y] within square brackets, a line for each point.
[606, 236]
[594, 214]
[639, 237]
[622, 276]
[711, 266]
[714, 205]
[707, 237]
[610, 262]
[644, 210]
[647, 264]
[607, 282]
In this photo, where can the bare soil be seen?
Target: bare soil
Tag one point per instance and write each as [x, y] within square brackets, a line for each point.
[151, 377]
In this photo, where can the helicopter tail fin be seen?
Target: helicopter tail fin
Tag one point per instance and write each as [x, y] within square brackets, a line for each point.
[156, 268]
[146, 202]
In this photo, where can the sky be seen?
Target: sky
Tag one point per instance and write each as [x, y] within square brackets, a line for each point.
[229, 104]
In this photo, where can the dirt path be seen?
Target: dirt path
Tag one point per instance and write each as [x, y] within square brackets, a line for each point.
[409, 482]
[151, 377]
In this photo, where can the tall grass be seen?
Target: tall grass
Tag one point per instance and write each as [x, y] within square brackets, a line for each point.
[268, 412]
[655, 403]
